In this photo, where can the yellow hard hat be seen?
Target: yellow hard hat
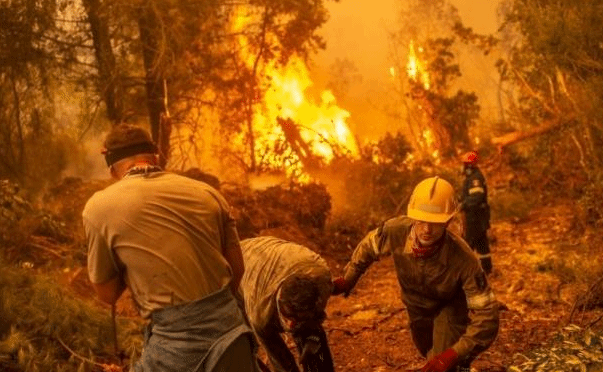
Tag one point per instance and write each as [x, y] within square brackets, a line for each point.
[432, 200]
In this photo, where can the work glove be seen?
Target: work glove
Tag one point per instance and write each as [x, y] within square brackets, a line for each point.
[441, 362]
[341, 286]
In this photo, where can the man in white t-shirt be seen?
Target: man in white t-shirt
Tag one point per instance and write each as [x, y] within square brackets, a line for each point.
[173, 242]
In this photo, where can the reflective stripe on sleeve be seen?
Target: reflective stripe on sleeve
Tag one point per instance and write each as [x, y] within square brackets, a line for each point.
[475, 190]
[481, 300]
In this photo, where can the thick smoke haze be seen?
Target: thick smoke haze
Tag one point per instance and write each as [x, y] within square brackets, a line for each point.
[357, 31]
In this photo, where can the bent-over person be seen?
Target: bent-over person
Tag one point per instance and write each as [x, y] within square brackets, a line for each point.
[285, 288]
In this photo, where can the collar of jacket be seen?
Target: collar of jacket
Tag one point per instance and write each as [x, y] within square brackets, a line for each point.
[439, 252]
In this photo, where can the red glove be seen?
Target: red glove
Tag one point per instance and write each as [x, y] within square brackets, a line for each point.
[441, 362]
[340, 285]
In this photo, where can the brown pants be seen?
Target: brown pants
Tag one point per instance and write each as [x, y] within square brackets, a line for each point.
[433, 332]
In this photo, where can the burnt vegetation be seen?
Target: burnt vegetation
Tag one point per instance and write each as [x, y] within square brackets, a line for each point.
[197, 73]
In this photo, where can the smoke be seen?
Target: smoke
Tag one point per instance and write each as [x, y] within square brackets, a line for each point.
[358, 31]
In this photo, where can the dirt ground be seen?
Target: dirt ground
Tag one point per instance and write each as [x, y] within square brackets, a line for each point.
[368, 331]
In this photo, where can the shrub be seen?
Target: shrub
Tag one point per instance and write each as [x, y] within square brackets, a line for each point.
[38, 319]
[511, 204]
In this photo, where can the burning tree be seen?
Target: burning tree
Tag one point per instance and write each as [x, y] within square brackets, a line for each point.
[274, 122]
[438, 120]
[446, 118]
[199, 63]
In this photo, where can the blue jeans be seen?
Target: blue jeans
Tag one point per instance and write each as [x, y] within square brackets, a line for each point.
[207, 335]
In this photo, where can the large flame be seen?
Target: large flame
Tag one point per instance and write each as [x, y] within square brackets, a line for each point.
[320, 123]
[418, 73]
[416, 69]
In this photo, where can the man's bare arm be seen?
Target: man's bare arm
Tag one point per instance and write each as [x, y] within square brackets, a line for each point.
[234, 256]
[110, 290]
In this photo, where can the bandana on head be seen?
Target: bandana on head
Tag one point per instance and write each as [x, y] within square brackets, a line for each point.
[421, 251]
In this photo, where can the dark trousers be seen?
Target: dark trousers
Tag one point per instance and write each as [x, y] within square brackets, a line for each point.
[478, 241]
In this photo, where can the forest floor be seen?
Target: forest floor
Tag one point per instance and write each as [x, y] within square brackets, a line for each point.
[542, 264]
[369, 331]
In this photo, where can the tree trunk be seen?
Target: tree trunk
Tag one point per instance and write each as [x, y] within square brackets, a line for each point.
[150, 38]
[20, 161]
[109, 83]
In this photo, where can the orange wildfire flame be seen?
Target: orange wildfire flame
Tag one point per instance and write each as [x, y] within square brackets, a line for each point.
[321, 122]
[416, 69]
[417, 72]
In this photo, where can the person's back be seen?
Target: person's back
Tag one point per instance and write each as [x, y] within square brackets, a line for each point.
[268, 262]
[286, 287]
[167, 232]
[173, 242]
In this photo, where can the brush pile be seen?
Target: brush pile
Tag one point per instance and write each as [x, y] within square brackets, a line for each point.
[572, 349]
[43, 327]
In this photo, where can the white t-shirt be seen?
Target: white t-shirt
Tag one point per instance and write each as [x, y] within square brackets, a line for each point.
[166, 233]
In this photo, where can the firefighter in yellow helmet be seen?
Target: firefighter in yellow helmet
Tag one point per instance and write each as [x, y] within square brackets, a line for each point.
[452, 310]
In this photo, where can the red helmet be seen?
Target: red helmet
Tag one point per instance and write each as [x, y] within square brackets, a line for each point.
[470, 157]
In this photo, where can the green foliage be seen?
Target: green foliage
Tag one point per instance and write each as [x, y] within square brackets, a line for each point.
[25, 26]
[32, 149]
[286, 207]
[456, 114]
[13, 208]
[440, 63]
[558, 71]
[560, 34]
[571, 349]
[448, 117]
[36, 316]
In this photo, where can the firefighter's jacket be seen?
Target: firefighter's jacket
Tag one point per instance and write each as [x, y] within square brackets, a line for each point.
[430, 284]
[474, 202]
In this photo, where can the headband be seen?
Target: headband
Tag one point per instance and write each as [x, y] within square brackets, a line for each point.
[113, 156]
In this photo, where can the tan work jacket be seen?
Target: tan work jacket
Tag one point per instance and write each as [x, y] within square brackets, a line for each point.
[430, 284]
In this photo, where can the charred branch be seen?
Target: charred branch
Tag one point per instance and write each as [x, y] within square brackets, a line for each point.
[510, 138]
[297, 143]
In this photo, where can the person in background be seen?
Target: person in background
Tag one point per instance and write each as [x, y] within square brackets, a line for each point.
[474, 205]
[452, 311]
[285, 289]
[173, 242]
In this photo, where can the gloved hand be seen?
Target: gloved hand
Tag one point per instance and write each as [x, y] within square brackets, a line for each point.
[340, 285]
[441, 362]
